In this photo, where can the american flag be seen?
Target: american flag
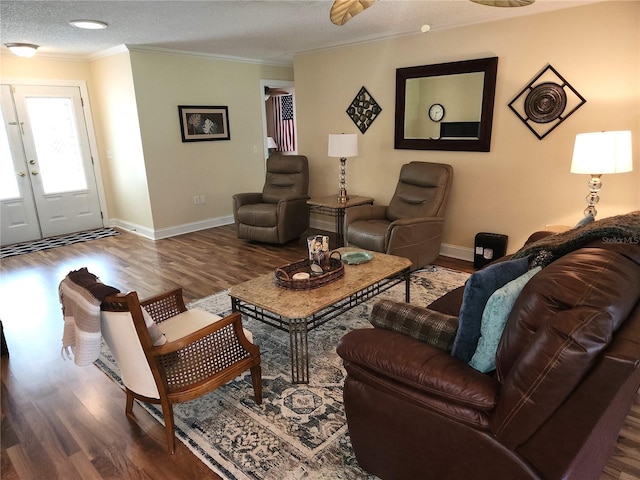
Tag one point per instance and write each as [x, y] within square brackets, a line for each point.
[283, 123]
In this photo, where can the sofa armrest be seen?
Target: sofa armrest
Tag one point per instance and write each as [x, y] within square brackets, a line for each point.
[444, 381]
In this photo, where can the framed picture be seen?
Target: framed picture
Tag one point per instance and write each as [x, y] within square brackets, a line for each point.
[201, 124]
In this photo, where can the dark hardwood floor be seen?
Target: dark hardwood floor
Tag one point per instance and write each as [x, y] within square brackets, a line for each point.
[60, 421]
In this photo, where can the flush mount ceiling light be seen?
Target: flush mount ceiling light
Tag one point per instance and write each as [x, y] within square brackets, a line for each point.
[88, 24]
[505, 3]
[25, 50]
[344, 10]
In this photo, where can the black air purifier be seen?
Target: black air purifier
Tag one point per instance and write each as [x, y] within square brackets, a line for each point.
[489, 247]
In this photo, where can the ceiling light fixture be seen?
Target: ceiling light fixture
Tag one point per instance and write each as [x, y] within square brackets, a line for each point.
[425, 28]
[88, 24]
[26, 50]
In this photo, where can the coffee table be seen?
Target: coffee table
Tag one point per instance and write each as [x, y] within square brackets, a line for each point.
[300, 311]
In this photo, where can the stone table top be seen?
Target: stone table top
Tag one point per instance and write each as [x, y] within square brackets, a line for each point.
[263, 291]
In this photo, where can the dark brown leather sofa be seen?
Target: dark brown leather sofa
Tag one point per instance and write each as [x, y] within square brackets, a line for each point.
[567, 372]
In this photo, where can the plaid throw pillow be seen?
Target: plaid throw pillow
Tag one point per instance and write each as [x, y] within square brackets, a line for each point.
[435, 328]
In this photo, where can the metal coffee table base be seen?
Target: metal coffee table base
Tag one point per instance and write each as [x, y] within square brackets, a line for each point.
[299, 328]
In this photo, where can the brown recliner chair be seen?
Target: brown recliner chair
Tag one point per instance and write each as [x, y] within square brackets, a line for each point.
[411, 225]
[280, 213]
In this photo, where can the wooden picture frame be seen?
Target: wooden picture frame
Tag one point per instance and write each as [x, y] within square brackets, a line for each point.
[204, 123]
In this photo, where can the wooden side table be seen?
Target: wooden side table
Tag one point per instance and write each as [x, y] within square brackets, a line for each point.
[330, 205]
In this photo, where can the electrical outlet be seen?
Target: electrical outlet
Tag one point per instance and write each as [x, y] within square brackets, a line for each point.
[196, 200]
[203, 200]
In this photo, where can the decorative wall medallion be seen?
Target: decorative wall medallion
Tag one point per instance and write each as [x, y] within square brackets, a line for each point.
[546, 102]
[363, 110]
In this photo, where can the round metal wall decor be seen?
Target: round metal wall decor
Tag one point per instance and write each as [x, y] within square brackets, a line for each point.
[545, 102]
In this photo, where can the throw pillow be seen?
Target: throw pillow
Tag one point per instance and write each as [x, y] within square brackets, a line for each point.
[479, 287]
[494, 318]
[428, 326]
[157, 337]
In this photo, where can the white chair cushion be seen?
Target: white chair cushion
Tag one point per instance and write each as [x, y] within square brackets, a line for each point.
[188, 322]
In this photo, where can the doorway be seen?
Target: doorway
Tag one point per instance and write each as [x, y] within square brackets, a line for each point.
[47, 181]
[269, 90]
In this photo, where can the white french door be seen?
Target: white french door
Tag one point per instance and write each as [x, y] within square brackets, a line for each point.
[47, 181]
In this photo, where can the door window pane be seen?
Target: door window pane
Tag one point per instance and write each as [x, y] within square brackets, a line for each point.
[8, 180]
[57, 146]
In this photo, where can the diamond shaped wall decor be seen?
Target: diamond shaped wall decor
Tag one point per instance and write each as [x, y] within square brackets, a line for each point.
[546, 102]
[363, 110]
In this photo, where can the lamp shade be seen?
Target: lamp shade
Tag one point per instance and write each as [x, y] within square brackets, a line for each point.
[343, 145]
[271, 143]
[602, 152]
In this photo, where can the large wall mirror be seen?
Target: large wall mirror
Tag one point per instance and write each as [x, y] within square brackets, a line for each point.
[447, 106]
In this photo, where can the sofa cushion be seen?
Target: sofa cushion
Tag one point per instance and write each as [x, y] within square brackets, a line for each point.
[494, 319]
[435, 328]
[477, 291]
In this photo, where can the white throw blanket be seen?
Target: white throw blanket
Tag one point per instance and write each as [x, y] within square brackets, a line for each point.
[81, 310]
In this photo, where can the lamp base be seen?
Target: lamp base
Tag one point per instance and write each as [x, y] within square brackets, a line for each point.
[594, 185]
[342, 193]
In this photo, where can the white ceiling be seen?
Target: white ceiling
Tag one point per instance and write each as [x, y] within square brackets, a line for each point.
[269, 31]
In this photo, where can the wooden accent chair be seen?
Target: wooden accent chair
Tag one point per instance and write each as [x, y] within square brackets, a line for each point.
[168, 354]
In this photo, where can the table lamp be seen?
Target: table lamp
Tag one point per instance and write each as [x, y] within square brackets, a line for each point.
[597, 153]
[271, 145]
[343, 145]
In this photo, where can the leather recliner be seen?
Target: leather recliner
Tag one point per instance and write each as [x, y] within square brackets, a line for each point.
[411, 225]
[279, 213]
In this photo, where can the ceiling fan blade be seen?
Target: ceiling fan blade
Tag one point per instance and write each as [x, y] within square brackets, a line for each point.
[344, 10]
[505, 3]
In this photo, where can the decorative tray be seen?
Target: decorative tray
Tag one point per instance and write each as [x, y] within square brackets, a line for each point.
[356, 258]
[284, 275]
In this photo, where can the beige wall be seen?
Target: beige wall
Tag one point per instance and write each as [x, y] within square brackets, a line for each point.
[177, 171]
[17, 68]
[118, 133]
[523, 183]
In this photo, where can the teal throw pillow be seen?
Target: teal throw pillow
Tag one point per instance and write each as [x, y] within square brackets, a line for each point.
[494, 318]
[479, 287]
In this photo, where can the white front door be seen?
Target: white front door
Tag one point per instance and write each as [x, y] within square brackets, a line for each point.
[48, 186]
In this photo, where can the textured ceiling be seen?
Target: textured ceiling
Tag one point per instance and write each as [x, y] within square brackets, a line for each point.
[268, 31]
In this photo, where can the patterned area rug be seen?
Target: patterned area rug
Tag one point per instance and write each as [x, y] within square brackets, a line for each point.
[46, 243]
[299, 431]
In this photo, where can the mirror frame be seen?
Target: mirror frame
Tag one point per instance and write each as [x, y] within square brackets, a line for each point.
[489, 66]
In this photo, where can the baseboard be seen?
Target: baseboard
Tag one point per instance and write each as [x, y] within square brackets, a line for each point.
[171, 231]
[323, 223]
[455, 251]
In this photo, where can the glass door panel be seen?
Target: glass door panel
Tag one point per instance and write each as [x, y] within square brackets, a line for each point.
[57, 145]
